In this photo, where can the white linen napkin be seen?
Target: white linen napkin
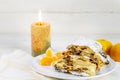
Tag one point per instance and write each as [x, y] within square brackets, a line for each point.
[16, 66]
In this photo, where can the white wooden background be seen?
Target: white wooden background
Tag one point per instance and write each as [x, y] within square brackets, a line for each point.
[68, 18]
[65, 16]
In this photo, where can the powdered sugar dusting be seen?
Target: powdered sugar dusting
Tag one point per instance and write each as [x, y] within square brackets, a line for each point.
[95, 46]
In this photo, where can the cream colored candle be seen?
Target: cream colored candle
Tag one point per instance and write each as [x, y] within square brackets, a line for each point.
[40, 34]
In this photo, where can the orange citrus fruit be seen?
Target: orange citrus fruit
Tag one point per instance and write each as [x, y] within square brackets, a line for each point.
[49, 52]
[46, 61]
[54, 58]
[106, 45]
[58, 55]
[49, 57]
[115, 52]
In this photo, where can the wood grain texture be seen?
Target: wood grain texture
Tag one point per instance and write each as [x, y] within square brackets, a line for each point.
[60, 5]
[62, 23]
[66, 17]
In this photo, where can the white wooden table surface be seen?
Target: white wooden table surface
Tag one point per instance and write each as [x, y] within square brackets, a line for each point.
[9, 43]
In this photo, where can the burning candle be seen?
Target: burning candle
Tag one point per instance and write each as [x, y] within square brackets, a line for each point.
[40, 36]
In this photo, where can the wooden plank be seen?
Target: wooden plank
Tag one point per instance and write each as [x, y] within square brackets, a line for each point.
[60, 5]
[62, 23]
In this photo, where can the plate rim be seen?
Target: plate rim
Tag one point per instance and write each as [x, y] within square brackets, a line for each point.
[77, 77]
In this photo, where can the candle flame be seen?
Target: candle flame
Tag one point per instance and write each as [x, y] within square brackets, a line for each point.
[40, 16]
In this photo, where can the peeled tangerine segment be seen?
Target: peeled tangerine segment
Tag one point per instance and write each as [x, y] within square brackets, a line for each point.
[49, 57]
[46, 61]
[49, 52]
[58, 55]
[54, 58]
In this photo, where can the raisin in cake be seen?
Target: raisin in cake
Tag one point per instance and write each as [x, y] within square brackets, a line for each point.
[79, 60]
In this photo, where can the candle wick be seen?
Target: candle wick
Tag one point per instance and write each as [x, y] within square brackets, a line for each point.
[40, 23]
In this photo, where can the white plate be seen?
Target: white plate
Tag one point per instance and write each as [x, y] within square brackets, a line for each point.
[50, 72]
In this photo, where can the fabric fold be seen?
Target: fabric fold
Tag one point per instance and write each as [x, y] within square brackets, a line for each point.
[17, 66]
